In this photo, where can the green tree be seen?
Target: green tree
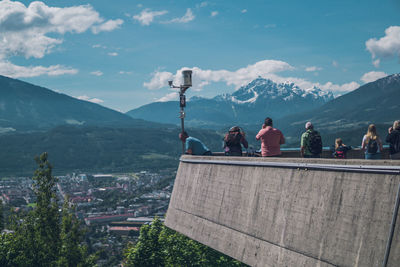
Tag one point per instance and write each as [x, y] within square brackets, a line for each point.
[45, 236]
[7, 249]
[72, 252]
[36, 238]
[161, 246]
[148, 250]
[1, 216]
[46, 225]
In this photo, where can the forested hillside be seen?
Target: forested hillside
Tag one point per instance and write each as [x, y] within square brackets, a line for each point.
[99, 149]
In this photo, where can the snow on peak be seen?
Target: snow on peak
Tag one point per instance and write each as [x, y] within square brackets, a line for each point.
[250, 100]
[267, 89]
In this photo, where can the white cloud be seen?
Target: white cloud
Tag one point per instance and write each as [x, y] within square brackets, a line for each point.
[15, 71]
[87, 98]
[125, 72]
[35, 30]
[185, 19]
[113, 54]
[201, 5]
[169, 97]
[376, 63]
[268, 26]
[147, 16]
[387, 46]
[214, 13]
[24, 30]
[337, 88]
[204, 77]
[159, 80]
[265, 68]
[108, 26]
[313, 68]
[97, 73]
[99, 46]
[372, 76]
[243, 11]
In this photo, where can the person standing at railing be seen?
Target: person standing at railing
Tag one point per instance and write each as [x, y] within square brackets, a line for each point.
[393, 138]
[233, 142]
[271, 139]
[194, 146]
[340, 149]
[311, 142]
[372, 144]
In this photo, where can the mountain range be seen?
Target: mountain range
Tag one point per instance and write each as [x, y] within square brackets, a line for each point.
[27, 107]
[81, 136]
[375, 102]
[290, 107]
[249, 104]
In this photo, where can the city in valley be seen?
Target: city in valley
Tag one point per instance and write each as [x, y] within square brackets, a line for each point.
[113, 206]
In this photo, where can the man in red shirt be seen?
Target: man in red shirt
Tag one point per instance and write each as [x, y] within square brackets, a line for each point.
[271, 139]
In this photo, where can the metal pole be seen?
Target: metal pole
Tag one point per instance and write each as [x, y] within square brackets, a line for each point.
[187, 82]
[183, 127]
[392, 227]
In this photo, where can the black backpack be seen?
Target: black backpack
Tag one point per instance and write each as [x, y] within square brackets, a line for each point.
[372, 146]
[233, 139]
[315, 144]
[396, 145]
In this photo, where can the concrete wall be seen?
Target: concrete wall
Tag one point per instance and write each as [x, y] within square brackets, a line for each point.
[280, 216]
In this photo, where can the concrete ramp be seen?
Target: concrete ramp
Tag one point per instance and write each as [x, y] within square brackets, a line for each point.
[288, 212]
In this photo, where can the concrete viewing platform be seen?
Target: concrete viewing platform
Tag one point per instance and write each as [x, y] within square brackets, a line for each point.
[289, 211]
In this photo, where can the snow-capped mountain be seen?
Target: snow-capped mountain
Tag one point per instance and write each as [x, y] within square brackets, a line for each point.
[262, 90]
[249, 104]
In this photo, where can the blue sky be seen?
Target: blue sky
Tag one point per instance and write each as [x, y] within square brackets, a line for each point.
[121, 53]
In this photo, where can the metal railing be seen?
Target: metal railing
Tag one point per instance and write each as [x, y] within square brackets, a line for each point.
[355, 153]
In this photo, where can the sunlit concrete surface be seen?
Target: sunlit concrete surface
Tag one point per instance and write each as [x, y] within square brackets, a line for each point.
[332, 213]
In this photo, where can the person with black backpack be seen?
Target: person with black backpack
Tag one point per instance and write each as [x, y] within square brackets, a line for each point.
[372, 144]
[233, 142]
[311, 142]
[340, 149]
[393, 138]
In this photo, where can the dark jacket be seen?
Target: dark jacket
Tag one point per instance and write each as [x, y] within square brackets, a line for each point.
[233, 143]
[394, 140]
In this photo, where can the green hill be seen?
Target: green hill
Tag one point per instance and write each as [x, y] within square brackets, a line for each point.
[376, 102]
[27, 107]
[97, 149]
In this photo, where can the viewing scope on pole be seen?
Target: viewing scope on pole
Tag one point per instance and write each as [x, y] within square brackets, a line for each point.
[187, 78]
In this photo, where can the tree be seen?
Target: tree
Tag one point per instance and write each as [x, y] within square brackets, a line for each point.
[44, 236]
[1, 216]
[161, 246]
[36, 237]
[72, 252]
[46, 223]
[148, 250]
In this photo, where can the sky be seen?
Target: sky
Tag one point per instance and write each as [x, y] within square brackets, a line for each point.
[121, 53]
